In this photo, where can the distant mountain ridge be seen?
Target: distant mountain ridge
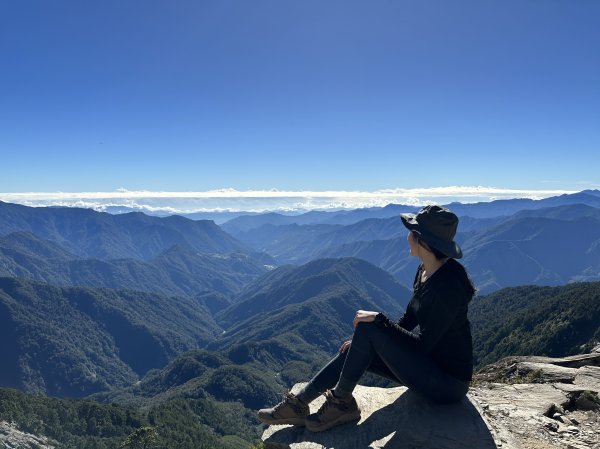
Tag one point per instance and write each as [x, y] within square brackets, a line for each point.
[87, 233]
[295, 243]
[484, 209]
[179, 270]
[525, 249]
[535, 250]
[246, 223]
[546, 246]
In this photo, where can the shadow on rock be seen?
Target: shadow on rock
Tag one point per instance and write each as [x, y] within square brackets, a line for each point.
[408, 422]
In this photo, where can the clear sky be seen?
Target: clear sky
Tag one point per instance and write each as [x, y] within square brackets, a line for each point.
[298, 95]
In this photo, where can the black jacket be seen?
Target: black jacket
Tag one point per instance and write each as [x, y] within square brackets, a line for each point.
[439, 308]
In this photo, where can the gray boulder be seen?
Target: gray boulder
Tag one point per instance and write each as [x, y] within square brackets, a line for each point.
[13, 438]
[516, 403]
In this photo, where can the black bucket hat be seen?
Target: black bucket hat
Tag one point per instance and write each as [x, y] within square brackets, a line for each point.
[436, 226]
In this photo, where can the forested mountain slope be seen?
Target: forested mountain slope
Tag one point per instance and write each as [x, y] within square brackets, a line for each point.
[87, 233]
[73, 341]
[179, 270]
[532, 320]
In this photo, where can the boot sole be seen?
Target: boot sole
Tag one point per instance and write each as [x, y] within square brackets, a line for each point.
[275, 422]
[341, 420]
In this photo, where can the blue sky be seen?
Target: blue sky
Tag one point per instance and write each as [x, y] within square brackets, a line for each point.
[298, 95]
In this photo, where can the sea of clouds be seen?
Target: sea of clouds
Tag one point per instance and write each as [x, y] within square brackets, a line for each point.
[232, 200]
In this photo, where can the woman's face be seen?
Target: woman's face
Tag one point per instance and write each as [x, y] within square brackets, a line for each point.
[412, 244]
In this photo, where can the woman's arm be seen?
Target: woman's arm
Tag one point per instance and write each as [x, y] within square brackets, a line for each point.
[409, 320]
[436, 321]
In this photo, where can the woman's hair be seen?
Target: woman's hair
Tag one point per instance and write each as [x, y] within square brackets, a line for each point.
[439, 256]
[436, 252]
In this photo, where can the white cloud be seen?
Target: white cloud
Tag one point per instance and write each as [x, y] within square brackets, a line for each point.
[230, 199]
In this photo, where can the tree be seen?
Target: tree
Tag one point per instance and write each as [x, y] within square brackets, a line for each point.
[142, 438]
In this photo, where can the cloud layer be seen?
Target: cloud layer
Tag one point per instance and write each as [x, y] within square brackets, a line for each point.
[232, 200]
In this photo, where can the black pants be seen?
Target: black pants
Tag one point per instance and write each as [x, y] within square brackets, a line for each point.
[377, 350]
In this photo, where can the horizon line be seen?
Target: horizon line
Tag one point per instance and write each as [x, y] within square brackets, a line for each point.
[277, 193]
[272, 200]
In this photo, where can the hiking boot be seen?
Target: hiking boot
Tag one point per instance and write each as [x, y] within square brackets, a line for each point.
[289, 411]
[333, 412]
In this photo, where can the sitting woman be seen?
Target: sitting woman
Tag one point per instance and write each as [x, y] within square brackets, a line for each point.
[429, 349]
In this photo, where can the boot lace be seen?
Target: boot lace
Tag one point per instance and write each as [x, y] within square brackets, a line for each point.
[329, 402]
[291, 400]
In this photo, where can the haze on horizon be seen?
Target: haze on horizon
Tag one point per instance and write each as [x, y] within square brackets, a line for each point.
[273, 200]
[340, 96]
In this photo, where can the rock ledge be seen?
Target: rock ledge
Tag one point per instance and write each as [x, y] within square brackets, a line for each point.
[516, 403]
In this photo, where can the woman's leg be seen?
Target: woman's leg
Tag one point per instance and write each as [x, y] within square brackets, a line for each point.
[412, 367]
[325, 379]
[329, 376]
[294, 408]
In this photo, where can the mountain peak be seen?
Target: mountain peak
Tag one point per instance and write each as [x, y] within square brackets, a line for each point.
[593, 192]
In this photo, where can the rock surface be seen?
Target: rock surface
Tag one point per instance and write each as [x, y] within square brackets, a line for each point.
[516, 403]
[13, 438]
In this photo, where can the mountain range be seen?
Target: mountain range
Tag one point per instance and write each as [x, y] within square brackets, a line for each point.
[543, 246]
[178, 270]
[176, 325]
[486, 209]
[73, 341]
[90, 234]
[479, 210]
[535, 250]
[191, 257]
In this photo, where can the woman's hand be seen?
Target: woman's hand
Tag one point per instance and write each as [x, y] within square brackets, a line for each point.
[345, 345]
[364, 315]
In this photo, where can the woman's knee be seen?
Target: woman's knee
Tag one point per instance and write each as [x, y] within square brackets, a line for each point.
[365, 326]
[365, 329]
[364, 334]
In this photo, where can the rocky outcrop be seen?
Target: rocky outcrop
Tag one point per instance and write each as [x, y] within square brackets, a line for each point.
[13, 438]
[516, 403]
